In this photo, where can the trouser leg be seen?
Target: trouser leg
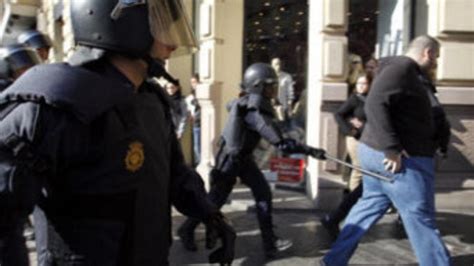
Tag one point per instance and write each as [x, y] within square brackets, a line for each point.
[346, 205]
[255, 180]
[413, 195]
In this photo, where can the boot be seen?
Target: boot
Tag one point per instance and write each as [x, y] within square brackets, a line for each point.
[331, 226]
[276, 245]
[186, 234]
[211, 237]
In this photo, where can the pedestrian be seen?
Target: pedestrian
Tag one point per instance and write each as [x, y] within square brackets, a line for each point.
[250, 118]
[179, 109]
[399, 140]
[351, 119]
[38, 41]
[195, 113]
[99, 138]
[286, 90]
[15, 61]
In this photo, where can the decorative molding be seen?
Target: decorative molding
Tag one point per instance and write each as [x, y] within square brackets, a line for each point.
[205, 27]
[334, 92]
[334, 58]
[456, 95]
[456, 16]
[334, 15]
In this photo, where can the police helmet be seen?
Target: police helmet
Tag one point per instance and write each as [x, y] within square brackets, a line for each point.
[16, 57]
[257, 76]
[130, 27]
[34, 39]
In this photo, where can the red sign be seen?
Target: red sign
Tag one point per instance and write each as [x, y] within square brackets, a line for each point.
[288, 169]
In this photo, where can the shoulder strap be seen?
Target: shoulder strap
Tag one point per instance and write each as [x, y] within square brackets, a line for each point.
[83, 92]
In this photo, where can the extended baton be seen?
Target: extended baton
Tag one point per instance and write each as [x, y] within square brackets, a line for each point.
[367, 172]
[308, 151]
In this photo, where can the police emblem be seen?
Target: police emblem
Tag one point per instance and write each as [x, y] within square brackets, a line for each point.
[135, 156]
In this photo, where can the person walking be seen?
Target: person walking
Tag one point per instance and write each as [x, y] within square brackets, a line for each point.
[250, 118]
[179, 109]
[195, 113]
[400, 139]
[351, 119]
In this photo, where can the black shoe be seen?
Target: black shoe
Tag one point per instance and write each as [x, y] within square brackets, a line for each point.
[330, 226]
[277, 246]
[187, 238]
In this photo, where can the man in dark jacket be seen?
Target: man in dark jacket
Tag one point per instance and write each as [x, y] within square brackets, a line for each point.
[401, 137]
[98, 138]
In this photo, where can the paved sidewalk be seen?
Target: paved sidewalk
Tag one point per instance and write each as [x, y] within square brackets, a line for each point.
[296, 218]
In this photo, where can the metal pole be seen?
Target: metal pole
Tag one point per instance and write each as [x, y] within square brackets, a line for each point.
[370, 173]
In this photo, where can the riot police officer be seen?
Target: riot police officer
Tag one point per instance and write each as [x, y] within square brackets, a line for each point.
[38, 41]
[98, 137]
[14, 61]
[250, 118]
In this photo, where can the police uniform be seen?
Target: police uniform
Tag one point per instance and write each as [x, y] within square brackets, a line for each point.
[13, 250]
[104, 149]
[251, 117]
[108, 157]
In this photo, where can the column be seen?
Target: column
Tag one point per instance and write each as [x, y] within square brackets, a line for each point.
[327, 52]
[220, 67]
[452, 23]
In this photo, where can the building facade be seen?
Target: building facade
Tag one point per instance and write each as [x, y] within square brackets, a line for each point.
[227, 31]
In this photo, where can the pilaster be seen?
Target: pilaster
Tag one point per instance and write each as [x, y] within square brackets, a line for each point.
[220, 67]
[326, 74]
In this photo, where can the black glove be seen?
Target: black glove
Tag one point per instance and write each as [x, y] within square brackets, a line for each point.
[291, 146]
[316, 153]
[220, 228]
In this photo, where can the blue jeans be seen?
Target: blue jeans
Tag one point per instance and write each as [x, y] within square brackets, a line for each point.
[411, 192]
[197, 145]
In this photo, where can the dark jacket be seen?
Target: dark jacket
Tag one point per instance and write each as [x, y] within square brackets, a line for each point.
[108, 157]
[352, 107]
[251, 117]
[399, 111]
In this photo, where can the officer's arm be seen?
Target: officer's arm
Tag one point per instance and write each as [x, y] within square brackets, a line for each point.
[20, 167]
[264, 125]
[188, 194]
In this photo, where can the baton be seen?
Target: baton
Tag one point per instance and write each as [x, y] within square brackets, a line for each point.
[308, 150]
[367, 172]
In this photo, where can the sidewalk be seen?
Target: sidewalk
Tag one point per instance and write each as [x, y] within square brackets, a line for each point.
[297, 219]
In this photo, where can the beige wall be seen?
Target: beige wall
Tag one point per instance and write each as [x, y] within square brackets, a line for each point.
[327, 49]
[181, 68]
[456, 86]
[220, 66]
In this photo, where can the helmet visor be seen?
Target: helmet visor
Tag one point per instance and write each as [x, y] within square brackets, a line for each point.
[170, 25]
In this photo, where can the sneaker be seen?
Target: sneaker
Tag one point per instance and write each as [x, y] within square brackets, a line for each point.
[330, 226]
[187, 238]
[278, 245]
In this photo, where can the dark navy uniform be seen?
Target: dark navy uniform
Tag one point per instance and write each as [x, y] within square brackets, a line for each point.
[250, 118]
[246, 125]
[108, 158]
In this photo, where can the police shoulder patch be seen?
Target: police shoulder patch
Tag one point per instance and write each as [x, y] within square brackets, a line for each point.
[135, 156]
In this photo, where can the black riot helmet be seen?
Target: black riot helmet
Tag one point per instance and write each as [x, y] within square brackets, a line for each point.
[130, 27]
[257, 76]
[16, 59]
[34, 39]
